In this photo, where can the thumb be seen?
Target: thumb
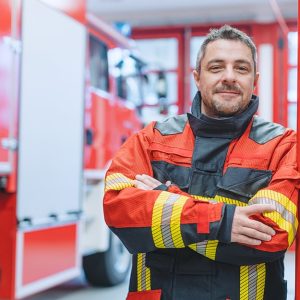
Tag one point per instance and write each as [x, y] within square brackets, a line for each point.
[259, 209]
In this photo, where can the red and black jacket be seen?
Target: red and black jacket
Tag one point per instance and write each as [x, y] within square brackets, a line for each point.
[180, 235]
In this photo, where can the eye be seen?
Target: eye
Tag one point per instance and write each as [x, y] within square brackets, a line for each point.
[242, 69]
[215, 68]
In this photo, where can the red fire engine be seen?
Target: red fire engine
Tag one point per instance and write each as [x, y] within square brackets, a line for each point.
[65, 81]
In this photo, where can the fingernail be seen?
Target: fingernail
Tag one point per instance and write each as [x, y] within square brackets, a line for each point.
[273, 232]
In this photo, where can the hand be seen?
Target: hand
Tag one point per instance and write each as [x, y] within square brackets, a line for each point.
[146, 182]
[247, 231]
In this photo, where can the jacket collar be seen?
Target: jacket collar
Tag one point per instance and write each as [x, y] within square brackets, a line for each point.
[231, 127]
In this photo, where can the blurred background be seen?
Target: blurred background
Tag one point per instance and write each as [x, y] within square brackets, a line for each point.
[77, 78]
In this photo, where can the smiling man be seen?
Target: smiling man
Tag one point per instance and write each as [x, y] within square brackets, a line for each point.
[206, 201]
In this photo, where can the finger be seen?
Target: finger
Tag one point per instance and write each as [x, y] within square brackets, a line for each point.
[148, 180]
[140, 185]
[144, 181]
[254, 234]
[242, 239]
[259, 226]
[168, 183]
[259, 209]
[151, 179]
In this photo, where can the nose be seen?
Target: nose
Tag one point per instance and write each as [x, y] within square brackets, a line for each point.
[229, 75]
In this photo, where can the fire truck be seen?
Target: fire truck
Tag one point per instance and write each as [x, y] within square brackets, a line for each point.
[70, 95]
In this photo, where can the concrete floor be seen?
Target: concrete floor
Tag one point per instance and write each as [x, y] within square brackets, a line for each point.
[78, 289]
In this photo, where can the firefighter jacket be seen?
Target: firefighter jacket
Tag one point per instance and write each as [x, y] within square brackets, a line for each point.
[180, 235]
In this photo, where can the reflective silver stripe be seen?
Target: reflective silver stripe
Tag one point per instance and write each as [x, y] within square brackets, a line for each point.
[201, 247]
[166, 220]
[252, 282]
[286, 214]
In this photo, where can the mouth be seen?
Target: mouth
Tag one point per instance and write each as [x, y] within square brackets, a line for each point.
[228, 93]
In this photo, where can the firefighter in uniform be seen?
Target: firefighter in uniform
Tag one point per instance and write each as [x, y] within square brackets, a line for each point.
[207, 201]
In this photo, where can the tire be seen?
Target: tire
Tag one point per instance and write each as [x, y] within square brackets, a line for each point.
[108, 268]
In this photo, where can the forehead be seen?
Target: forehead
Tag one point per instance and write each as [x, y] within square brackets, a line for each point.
[227, 50]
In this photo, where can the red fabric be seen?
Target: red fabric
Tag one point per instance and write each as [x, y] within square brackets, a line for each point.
[144, 295]
[203, 219]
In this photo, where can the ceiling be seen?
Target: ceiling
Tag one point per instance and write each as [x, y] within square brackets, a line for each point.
[174, 12]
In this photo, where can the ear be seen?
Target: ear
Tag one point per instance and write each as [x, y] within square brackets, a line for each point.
[196, 75]
[255, 80]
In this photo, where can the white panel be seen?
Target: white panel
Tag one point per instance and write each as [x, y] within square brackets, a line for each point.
[51, 113]
[265, 83]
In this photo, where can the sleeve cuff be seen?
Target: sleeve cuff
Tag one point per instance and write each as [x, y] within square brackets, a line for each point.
[224, 233]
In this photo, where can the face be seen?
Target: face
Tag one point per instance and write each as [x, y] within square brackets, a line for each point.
[226, 78]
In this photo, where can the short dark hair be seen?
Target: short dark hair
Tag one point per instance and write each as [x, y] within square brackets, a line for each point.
[226, 32]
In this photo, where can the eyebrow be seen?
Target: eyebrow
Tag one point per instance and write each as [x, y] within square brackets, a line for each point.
[240, 61]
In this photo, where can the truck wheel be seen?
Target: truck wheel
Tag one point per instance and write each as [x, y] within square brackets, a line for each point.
[108, 268]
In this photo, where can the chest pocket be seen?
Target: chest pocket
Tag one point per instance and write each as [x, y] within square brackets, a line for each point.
[242, 183]
[169, 163]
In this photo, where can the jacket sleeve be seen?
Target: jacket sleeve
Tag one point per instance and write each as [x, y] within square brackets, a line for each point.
[146, 220]
[282, 192]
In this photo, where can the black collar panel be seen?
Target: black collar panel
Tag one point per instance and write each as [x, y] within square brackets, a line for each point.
[231, 127]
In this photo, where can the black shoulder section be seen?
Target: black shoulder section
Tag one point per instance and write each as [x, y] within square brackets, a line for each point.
[172, 125]
[263, 131]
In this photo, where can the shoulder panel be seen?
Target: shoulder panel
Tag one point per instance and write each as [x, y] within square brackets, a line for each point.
[263, 131]
[172, 125]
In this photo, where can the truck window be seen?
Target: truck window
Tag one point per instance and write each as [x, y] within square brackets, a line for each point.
[98, 64]
[129, 85]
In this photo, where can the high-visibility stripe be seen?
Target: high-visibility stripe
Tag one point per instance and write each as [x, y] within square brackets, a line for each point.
[261, 279]
[117, 182]
[252, 279]
[282, 199]
[166, 219]
[229, 201]
[157, 219]
[211, 249]
[143, 273]
[244, 283]
[175, 222]
[283, 224]
[252, 282]
[206, 248]
[219, 198]
[285, 215]
[139, 271]
[203, 198]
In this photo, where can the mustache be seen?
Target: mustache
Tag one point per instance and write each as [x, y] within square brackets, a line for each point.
[227, 88]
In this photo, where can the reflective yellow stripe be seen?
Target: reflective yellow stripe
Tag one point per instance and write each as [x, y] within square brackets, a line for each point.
[230, 201]
[143, 273]
[156, 219]
[222, 199]
[252, 282]
[117, 182]
[261, 279]
[175, 222]
[244, 282]
[283, 224]
[282, 199]
[211, 249]
[193, 247]
[139, 271]
[285, 216]
[203, 198]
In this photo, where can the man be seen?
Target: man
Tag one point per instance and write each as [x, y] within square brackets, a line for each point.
[206, 201]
